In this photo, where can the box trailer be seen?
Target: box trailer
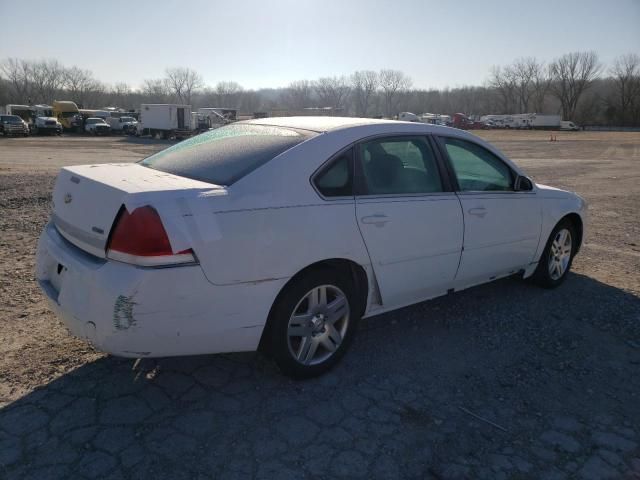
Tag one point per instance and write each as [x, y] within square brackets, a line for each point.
[165, 120]
[545, 122]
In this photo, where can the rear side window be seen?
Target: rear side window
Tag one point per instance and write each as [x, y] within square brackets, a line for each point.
[399, 166]
[336, 179]
[225, 155]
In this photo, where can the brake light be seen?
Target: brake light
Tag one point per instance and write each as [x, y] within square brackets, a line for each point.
[140, 238]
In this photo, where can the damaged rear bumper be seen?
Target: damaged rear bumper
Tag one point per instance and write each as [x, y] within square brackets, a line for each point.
[131, 311]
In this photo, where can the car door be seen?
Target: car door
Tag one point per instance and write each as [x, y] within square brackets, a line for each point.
[501, 226]
[409, 217]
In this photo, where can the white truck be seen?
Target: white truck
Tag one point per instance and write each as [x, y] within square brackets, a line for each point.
[545, 122]
[125, 124]
[165, 121]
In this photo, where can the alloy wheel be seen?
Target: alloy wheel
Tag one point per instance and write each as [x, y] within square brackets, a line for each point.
[318, 325]
[560, 254]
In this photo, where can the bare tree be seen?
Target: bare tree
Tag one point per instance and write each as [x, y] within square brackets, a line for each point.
[79, 84]
[182, 82]
[364, 84]
[333, 91]
[18, 74]
[250, 101]
[572, 74]
[503, 81]
[155, 90]
[119, 94]
[5, 93]
[298, 94]
[393, 84]
[524, 70]
[47, 79]
[541, 83]
[626, 77]
[228, 94]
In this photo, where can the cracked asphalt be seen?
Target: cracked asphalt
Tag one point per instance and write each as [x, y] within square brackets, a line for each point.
[505, 380]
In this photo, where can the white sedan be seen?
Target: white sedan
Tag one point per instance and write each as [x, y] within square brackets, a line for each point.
[281, 233]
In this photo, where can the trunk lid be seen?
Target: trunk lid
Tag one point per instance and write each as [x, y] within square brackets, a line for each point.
[87, 198]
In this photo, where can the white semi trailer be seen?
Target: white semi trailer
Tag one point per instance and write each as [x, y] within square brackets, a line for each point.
[165, 120]
[545, 122]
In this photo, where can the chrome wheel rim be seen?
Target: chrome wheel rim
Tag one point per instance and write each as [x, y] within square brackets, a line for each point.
[318, 325]
[560, 254]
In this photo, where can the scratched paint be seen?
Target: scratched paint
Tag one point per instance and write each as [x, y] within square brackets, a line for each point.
[123, 312]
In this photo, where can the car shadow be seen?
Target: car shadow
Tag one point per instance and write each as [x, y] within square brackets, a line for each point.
[508, 352]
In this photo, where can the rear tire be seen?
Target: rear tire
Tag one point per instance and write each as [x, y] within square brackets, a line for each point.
[312, 324]
[557, 257]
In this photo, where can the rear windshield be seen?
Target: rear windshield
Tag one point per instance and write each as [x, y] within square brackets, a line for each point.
[227, 154]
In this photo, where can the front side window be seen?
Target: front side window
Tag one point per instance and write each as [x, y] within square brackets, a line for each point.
[477, 169]
[399, 166]
[336, 179]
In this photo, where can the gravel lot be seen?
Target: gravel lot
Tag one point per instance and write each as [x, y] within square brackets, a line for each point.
[501, 381]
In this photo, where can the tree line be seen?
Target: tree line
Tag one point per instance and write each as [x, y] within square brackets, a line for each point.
[576, 85]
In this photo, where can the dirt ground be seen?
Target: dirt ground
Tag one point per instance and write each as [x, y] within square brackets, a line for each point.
[500, 381]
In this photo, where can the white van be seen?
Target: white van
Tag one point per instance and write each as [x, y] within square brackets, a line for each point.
[567, 125]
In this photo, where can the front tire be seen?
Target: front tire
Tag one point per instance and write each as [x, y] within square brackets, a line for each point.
[557, 257]
[312, 324]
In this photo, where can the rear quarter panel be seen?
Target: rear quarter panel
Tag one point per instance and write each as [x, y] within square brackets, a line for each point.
[273, 243]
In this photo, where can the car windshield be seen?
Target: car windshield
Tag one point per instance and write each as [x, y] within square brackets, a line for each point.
[11, 119]
[225, 155]
[69, 114]
[95, 120]
[127, 119]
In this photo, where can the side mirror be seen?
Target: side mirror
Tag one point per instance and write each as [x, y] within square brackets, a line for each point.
[523, 184]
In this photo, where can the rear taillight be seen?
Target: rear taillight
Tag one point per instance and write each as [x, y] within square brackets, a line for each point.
[140, 238]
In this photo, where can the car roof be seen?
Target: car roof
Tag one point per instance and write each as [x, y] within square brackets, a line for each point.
[324, 124]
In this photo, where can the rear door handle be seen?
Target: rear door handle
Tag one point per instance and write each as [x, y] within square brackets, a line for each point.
[478, 212]
[378, 219]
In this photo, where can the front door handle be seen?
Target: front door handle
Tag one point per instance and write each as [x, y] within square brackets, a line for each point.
[478, 212]
[378, 219]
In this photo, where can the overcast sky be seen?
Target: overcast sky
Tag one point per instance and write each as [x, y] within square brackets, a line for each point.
[270, 43]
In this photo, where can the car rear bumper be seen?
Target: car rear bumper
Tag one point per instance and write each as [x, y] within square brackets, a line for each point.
[148, 312]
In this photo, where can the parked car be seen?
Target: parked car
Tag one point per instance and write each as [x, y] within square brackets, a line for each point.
[96, 126]
[281, 233]
[47, 125]
[13, 125]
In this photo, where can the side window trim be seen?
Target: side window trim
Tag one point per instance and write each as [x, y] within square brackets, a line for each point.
[440, 140]
[447, 177]
[360, 184]
[327, 165]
